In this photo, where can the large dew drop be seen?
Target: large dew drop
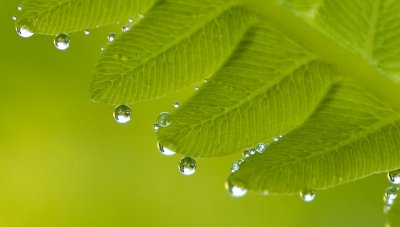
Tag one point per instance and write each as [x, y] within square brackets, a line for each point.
[122, 114]
[61, 41]
[164, 119]
[307, 195]
[24, 32]
[187, 166]
[234, 190]
[261, 147]
[165, 151]
[394, 176]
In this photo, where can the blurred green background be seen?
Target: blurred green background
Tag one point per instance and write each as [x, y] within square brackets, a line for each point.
[64, 161]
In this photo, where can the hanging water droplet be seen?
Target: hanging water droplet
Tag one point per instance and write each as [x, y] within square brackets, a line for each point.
[394, 176]
[252, 151]
[307, 195]
[111, 37]
[276, 139]
[86, 32]
[126, 28]
[391, 193]
[122, 114]
[261, 147]
[196, 88]
[14, 18]
[234, 190]
[130, 20]
[235, 167]
[176, 105]
[164, 119]
[156, 127]
[246, 153]
[187, 166]
[24, 32]
[61, 41]
[164, 150]
[19, 8]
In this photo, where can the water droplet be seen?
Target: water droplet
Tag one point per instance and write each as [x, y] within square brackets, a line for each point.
[164, 150]
[122, 114]
[126, 28]
[276, 139]
[19, 8]
[196, 88]
[234, 190]
[86, 32]
[111, 37]
[307, 195]
[252, 151]
[24, 32]
[61, 41]
[246, 153]
[130, 20]
[176, 105]
[156, 127]
[235, 167]
[14, 18]
[164, 119]
[187, 166]
[261, 147]
[394, 176]
[205, 80]
[102, 49]
[391, 193]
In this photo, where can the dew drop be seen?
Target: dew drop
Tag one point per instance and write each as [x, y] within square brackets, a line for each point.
[276, 139]
[390, 193]
[24, 32]
[176, 105]
[187, 166]
[307, 195]
[235, 167]
[156, 127]
[234, 190]
[164, 119]
[61, 41]
[196, 88]
[164, 150]
[86, 32]
[252, 151]
[246, 153]
[122, 114]
[205, 81]
[261, 147]
[14, 18]
[394, 176]
[111, 37]
[126, 28]
[130, 20]
[19, 8]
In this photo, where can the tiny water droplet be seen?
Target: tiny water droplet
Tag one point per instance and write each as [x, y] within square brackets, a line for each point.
[111, 37]
[205, 80]
[246, 153]
[61, 41]
[196, 88]
[122, 114]
[126, 28]
[394, 176]
[234, 190]
[261, 147]
[102, 49]
[156, 127]
[252, 151]
[19, 8]
[187, 166]
[235, 167]
[164, 119]
[176, 105]
[164, 150]
[130, 20]
[24, 32]
[86, 32]
[391, 193]
[241, 161]
[307, 195]
[14, 18]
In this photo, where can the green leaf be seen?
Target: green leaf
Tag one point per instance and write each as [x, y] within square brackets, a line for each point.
[177, 44]
[60, 16]
[351, 135]
[269, 86]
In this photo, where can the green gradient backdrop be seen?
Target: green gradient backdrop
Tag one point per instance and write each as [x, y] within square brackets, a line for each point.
[65, 162]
